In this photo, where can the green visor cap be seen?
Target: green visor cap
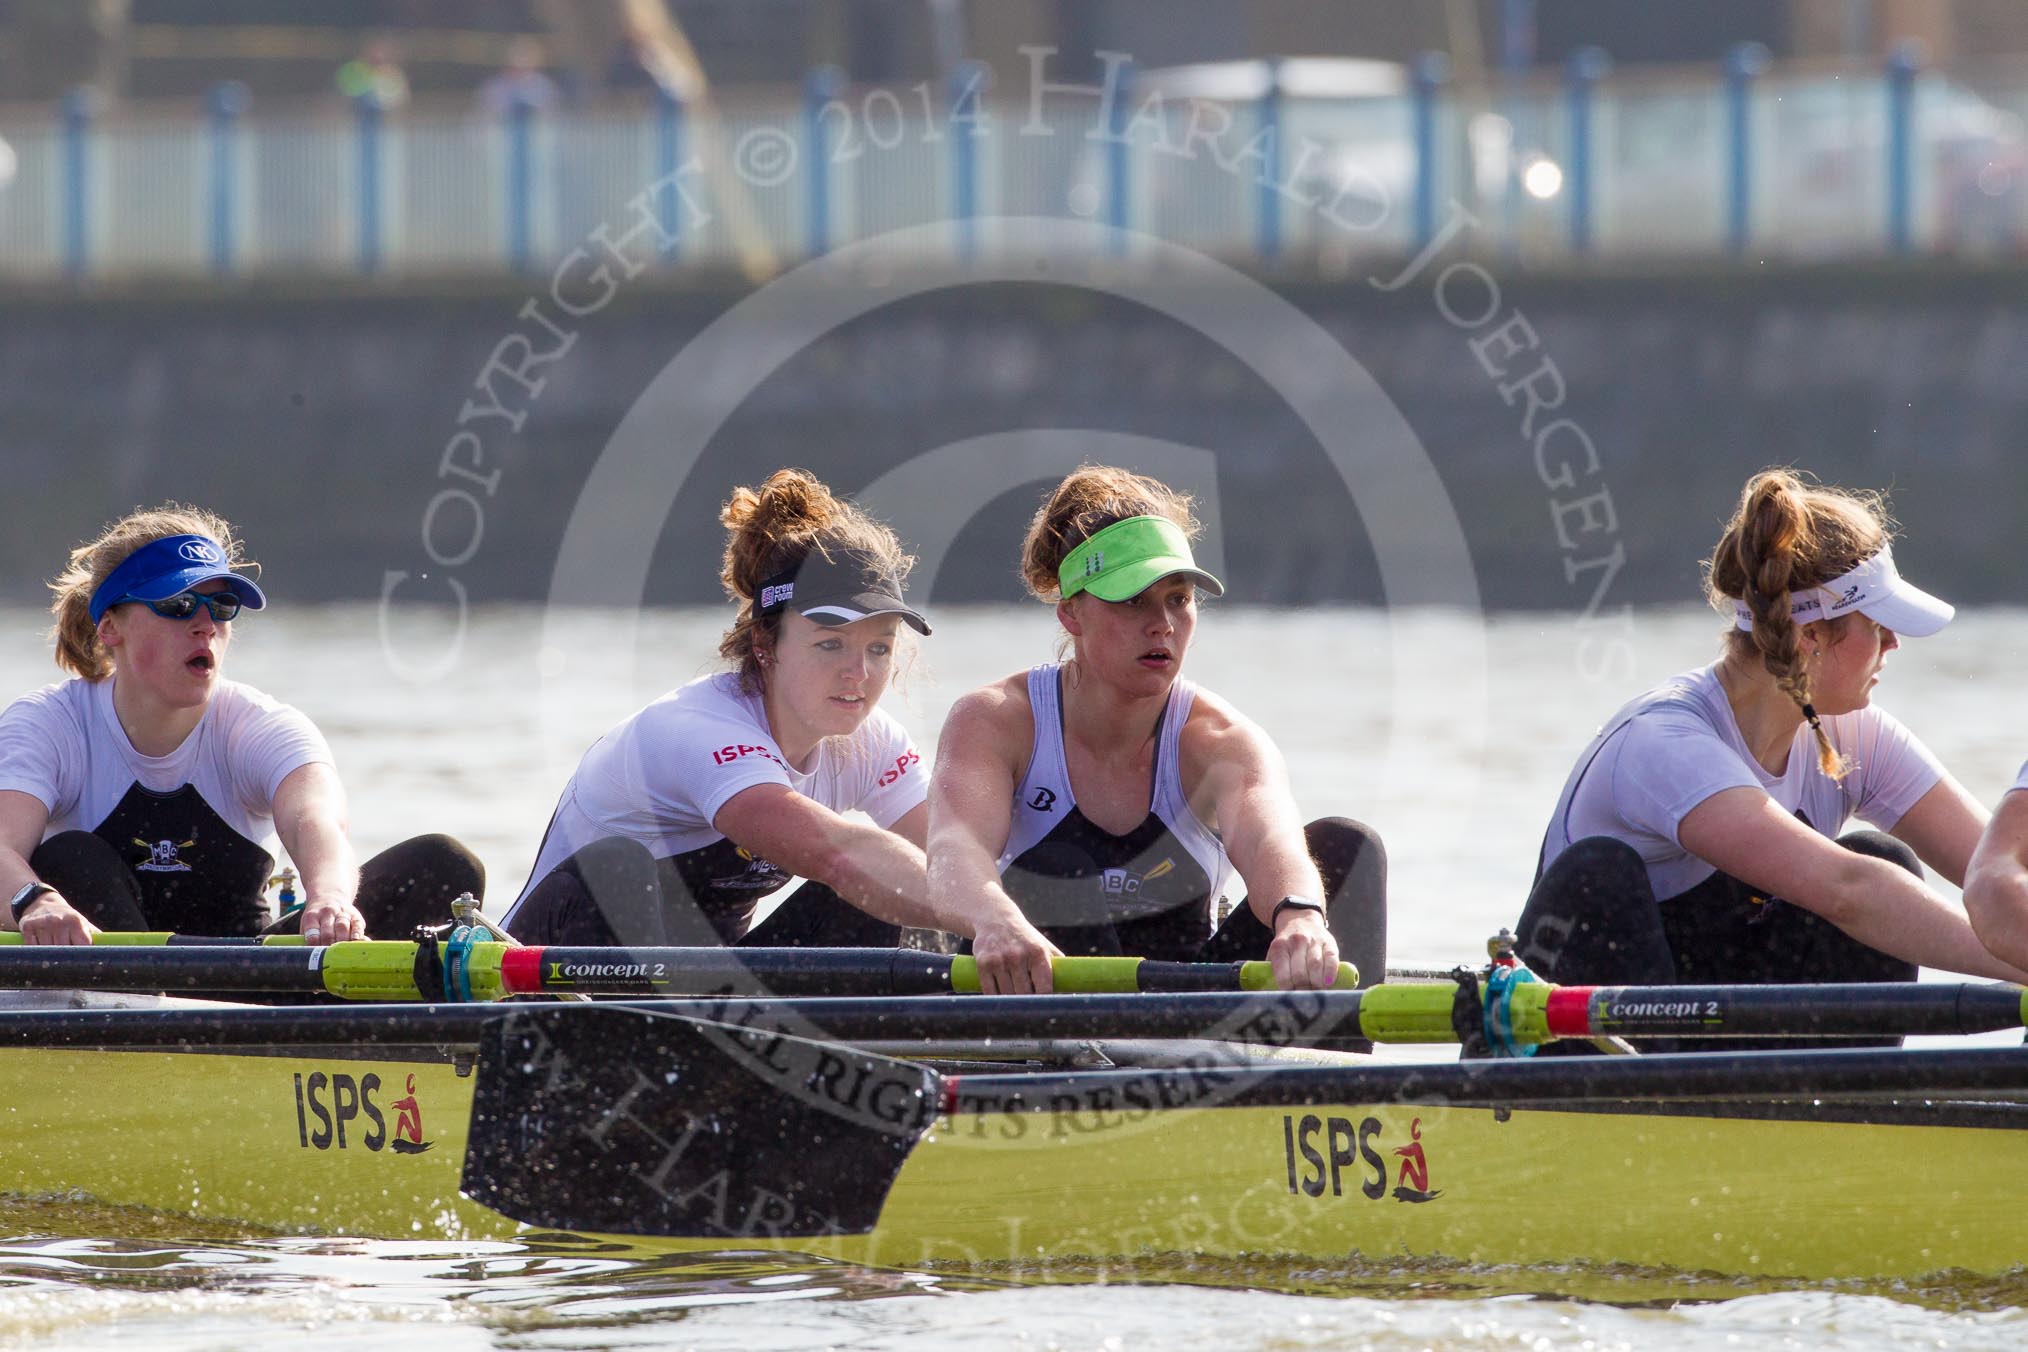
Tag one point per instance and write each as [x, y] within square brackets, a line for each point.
[1128, 557]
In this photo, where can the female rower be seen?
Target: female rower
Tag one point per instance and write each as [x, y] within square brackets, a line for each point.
[1101, 804]
[137, 794]
[684, 816]
[1697, 840]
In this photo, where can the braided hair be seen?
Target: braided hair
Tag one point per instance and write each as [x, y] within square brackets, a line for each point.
[1789, 535]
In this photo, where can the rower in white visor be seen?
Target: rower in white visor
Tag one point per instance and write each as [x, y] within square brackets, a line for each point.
[1702, 835]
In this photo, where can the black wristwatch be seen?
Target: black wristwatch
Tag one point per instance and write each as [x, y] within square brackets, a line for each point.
[27, 897]
[1294, 904]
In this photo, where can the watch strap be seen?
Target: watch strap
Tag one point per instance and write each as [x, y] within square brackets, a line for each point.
[1294, 904]
[27, 897]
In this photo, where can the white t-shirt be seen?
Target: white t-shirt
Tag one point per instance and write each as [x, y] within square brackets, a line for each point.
[64, 745]
[661, 776]
[1678, 744]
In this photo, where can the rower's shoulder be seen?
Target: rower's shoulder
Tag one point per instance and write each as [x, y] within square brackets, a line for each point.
[237, 706]
[1000, 712]
[712, 701]
[1216, 726]
[55, 713]
[57, 695]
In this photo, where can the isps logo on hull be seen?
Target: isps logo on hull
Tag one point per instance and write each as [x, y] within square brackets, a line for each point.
[1324, 1154]
[327, 1103]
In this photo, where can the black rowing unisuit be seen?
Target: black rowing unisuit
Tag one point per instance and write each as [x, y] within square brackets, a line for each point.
[195, 874]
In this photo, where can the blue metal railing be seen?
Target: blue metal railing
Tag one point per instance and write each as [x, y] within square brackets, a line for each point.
[1586, 67]
[520, 184]
[77, 118]
[967, 96]
[1736, 170]
[1268, 178]
[367, 109]
[668, 160]
[820, 92]
[222, 111]
[1432, 70]
[1902, 67]
[1743, 64]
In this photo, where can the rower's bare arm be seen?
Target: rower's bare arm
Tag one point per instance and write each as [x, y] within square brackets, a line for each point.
[881, 872]
[1248, 782]
[52, 919]
[1943, 828]
[311, 817]
[1745, 833]
[979, 754]
[1996, 885]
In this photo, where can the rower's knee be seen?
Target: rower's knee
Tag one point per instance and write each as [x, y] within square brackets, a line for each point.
[1340, 843]
[1353, 864]
[92, 877]
[1880, 845]
[435, 863]
[71, 849]
[1592, 916]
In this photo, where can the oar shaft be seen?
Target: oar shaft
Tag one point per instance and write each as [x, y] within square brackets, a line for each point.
[164, 939]
[557, 970]
[1294, 1019]
[120, 967]
[387, 970]
[1852, 1073]
[1537, 1012]
[1853, 1009]
[846, 971]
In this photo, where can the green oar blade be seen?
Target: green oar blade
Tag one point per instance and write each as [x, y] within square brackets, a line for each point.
[609, 1119]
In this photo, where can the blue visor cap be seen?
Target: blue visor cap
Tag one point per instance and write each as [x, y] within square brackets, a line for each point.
[169, 567]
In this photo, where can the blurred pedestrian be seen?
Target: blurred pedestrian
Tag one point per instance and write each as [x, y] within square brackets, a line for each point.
[523, 80]
[376, 73]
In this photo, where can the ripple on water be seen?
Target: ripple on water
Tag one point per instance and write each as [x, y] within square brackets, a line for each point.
[77, 1274]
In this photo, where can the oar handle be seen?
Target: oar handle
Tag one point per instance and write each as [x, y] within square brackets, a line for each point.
[1120, 976]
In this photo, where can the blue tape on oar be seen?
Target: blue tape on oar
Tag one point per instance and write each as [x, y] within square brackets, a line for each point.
[1500, 1010]
[457, 964]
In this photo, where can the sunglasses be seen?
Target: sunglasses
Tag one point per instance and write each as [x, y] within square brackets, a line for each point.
[222, 605]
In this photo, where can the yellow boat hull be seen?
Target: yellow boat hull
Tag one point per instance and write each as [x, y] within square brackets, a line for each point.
[373, 1144]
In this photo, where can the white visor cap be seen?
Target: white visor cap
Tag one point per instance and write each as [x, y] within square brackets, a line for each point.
[1875, 590]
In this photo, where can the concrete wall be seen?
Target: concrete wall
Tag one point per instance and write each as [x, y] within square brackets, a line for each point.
[320, 423]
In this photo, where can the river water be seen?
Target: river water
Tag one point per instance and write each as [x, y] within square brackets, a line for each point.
[1449, 732]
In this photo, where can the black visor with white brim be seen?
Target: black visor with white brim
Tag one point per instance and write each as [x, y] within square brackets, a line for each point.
[1874, 589]
[843, 586]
